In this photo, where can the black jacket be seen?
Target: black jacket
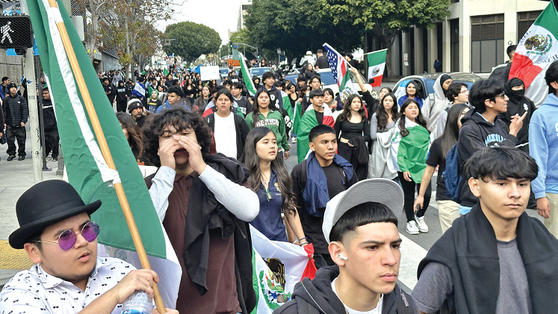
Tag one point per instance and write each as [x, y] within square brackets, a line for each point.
[48, 116]
[469, 250]
[242, 130]
[476, 134]
[15, 110]
[316, 297]
[519, 105]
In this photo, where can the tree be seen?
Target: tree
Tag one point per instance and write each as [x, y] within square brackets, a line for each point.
[385, 18]
[192, 40]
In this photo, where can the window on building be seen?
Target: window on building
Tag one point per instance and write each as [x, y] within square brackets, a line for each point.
[524, 21]
[487, 42]
[454, 47]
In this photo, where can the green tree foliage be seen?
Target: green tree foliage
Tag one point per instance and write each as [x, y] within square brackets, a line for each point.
[192, 40]
[299, 25]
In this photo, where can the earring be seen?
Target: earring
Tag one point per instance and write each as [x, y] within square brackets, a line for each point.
[343, 257]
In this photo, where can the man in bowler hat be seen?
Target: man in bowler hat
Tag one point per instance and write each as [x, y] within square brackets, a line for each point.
[58, 235]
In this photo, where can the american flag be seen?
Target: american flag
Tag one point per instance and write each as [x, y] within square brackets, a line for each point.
[339, 68]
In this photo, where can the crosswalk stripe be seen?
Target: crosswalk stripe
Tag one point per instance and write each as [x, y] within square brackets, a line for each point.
[411, 255]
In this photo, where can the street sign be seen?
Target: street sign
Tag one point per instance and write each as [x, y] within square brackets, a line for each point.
[16, 32]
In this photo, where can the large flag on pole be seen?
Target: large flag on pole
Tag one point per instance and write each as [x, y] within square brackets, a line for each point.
[86, 166]
[278, 266]
[376, 66]
[245, 73]
[340, 69]
[536, 50]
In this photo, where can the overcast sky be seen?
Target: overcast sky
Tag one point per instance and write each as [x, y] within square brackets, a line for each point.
[221, 15]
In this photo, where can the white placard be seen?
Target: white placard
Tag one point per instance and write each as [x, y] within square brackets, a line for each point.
[210, 73]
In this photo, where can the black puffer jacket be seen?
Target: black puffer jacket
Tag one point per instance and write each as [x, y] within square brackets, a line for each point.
[15, 110]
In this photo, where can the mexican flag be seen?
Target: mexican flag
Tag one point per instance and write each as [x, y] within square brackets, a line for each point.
[245, 74]
[165, 71]
[307, 122]
[86, 167]
[408, 153]
[277, 267]
[340, 69]
[376, 66]
[536, 50]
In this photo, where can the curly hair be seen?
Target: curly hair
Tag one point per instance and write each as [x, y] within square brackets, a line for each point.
[180, 119]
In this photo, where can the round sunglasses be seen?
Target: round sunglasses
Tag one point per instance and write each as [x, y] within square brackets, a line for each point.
[67, 239]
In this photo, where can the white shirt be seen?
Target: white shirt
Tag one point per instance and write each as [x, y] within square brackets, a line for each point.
[35, 291]
[377, 310]
[225, 135]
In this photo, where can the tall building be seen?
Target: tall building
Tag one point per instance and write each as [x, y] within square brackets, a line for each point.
[244, 5]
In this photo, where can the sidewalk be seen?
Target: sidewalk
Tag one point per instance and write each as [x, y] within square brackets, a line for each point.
[15, 178]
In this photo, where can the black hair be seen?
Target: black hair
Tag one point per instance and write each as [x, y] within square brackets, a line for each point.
[419, 119]
[451, 130]
[346, 114]
[388, 89]
[360, 215]
[267, 75]
[501, 163]
[256, 106]
[510, 49]
[552, 76]
[135, 136]
[454, 90]
[316, 93]
[330, 91]
[252, 161]
[227, 93]
[319, 78]
[238, 85]
[227, 82]
[301, 78]
[483, 90]
[5, 78]
[177, 90]
[319, 130]
[180, 119]
[381, 114]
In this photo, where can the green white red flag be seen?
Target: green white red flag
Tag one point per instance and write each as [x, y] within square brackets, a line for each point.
[340, 69]
[245, 74]
[87, 170]
[536, 50]
[376, 66]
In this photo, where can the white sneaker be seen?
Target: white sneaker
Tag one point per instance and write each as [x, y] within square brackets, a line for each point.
[422, 227]
[412, 227]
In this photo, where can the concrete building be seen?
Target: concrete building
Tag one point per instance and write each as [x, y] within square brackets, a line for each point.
[244, 5]
[473, 38]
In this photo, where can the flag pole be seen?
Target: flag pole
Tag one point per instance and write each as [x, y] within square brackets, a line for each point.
[106, 153]
[374, 51]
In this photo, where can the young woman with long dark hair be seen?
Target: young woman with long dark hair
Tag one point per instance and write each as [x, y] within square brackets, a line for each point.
[411, 92]
[414, 141]
[133, 134]
[448, 210]
[271, 181]
[382, 125]
[353, 131]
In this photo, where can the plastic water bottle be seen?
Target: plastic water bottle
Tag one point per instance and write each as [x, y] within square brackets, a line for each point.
[138, 302]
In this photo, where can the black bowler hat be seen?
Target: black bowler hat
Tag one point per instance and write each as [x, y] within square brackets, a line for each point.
[45, 204]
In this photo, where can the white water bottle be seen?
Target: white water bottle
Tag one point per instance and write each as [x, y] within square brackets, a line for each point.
[138, 302]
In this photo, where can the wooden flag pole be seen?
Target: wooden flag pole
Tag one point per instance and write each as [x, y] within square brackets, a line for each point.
[106, 153]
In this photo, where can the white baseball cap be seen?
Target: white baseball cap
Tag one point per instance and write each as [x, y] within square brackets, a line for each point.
[383, 191]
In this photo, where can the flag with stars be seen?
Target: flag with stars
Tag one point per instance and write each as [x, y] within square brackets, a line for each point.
[340, 69]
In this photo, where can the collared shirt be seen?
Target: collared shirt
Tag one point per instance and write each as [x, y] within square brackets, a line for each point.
[35, 291]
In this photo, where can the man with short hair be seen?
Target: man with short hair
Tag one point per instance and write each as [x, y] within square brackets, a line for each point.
[50, 127]
[243, 103]
[275, 99]
[110, 90]
[204, 203]
[317, 180]
[483, 128]
[228, 84]
[58, 235]
[16, 114]
[174, 98]
[315, 82]
[4, 88]
[321, 62]
[318, 113]
[495, 259]
[361, 229]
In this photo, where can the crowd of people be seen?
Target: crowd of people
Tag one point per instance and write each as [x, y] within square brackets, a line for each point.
[220, 156]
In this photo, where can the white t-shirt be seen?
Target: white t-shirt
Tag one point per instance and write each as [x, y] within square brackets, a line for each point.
[377, 310]
[225, 135]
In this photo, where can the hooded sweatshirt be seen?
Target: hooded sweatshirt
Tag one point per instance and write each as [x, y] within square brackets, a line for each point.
[316, 297]
[543, 139]
[476, 134]
[518, 104]
[435, 115]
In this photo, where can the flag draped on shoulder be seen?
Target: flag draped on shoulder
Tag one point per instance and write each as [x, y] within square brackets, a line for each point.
[376, 66]
[278, 266]
[307, 122]
[536, 50]
[340, 69]
[86, 167]
[245, 73]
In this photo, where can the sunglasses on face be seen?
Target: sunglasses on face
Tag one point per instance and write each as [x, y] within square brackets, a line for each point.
[501, 95]
[67, 239]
